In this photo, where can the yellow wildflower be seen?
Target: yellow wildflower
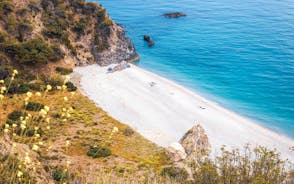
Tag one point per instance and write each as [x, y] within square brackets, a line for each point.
[43, 112]
[47, 109]
[38, 94]
[19, 174]
[67, 143]
[1, 81]
[65, 98]
[48, 87]
[22, 126]
[115, 129]
[29, 94]
[35, 147]
[15, 72]
[3, 89]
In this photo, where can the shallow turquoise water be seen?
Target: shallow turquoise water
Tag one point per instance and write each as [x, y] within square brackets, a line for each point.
[239, 54]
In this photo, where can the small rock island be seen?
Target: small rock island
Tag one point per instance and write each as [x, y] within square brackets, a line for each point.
[174, 15]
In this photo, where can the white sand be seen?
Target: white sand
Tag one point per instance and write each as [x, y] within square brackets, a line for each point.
[165, 111]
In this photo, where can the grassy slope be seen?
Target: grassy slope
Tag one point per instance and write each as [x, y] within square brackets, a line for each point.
[89, 126]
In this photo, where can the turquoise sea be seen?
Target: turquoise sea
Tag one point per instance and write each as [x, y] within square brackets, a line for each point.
[238, 53]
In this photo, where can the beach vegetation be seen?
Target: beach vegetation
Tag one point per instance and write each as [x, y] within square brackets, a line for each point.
[176, 173]
[98, 151]
[128, 131]
[63, 70]
[70, 87]
[34, 106]
[32, 52]
[60, 175]
[258, 165]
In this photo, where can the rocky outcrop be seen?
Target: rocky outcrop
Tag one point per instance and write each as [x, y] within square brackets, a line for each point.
[195, 141]
[176, 152]
[120, 48]
[174, 15]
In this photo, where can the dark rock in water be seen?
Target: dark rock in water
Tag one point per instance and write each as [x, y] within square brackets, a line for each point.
[174, 15]
[151, 43]
[147, 38]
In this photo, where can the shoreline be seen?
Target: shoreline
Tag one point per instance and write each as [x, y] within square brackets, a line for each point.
[162, 110]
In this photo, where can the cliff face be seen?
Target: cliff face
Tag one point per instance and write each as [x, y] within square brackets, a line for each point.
[76, 31]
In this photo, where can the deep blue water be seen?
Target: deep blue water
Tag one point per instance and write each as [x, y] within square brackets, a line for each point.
[238, 53]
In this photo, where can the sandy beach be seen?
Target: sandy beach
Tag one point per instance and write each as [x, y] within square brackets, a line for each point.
[163, 111]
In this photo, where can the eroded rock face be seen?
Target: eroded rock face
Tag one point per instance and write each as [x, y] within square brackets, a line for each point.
[120, 48]
[176, 152]
[195, 141]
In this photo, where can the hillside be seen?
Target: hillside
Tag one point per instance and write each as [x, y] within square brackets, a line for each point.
[71, 30]
[51, 133]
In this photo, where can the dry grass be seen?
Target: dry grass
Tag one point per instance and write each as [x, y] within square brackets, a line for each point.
[66, 143]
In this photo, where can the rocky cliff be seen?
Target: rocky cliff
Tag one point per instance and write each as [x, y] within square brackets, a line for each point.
[71, 30]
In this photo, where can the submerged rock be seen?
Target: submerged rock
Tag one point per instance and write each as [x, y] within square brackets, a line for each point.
[174, 15]
[195, 141]
[148, 39]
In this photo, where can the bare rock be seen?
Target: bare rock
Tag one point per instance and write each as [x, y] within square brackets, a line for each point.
[176, 152]
[148, 39]
[195, 141]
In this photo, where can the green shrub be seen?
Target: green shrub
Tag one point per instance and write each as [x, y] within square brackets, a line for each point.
[2, 37]
[98, 151]
[80, 27]
[18, 87]
[3, 73]
[71, 87]
[60, 175]
[64, 71]
[5, 8]
[128, 131]
[53, 80]
[15, 115]
[34, 106]
[175, 173]
[34, 51]
[23, 29]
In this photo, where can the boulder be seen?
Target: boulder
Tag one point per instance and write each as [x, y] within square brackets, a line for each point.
[147, 38]
[195, 141]
[176, 152]
[151, 43]
[174, 15]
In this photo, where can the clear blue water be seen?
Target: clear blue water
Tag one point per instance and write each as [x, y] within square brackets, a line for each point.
[238, 53]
